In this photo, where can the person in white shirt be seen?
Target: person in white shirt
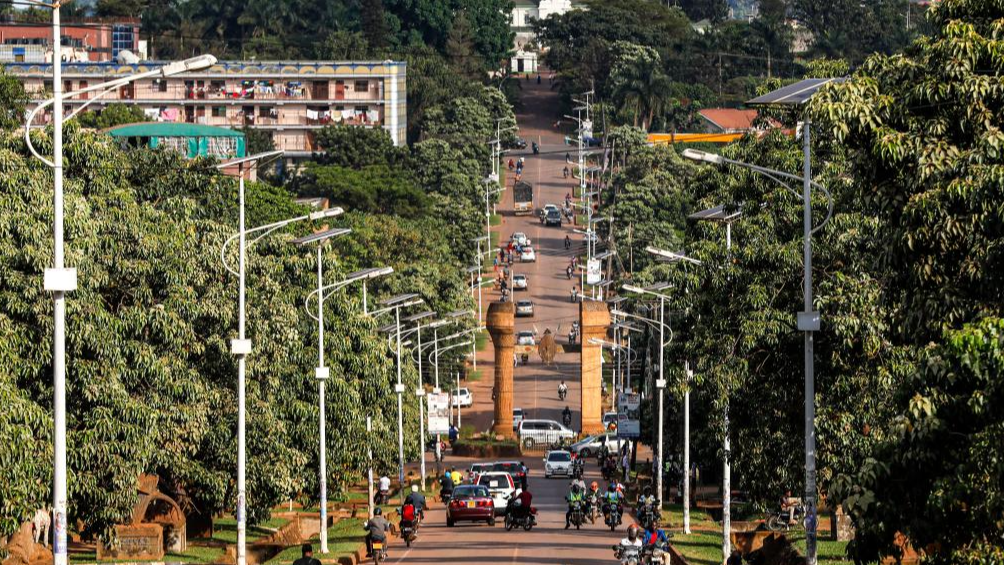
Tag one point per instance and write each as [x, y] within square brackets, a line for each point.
[631, 545]
[385, 483]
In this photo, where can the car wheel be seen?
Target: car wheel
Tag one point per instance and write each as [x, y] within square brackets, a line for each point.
[528, 443]
[584, 452]
[491, 521]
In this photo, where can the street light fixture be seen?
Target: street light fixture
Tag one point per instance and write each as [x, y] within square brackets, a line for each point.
[660, 384]
[59, 279]
[396, 303]
[321, 372]
[673, 257]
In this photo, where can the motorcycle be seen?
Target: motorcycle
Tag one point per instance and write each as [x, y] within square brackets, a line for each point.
[409, 530]
[562, 393]
[778, 521]
[577, 517]
[627, 555]
[379, 551]
[577, 468]
[613, 516]
[592, 508]
[445, 495]
[381, 497]
[514, 518]
[535, 147]
[646, 516]
[566, 418]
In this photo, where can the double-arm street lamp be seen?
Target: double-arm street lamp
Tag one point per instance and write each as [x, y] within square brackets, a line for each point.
[657, 291]
[321, 373]
[59, 279]
[672, 257]
[395, 303]
[808, 319]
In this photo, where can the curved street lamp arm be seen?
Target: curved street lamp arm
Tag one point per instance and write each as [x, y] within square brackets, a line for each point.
[773, 174]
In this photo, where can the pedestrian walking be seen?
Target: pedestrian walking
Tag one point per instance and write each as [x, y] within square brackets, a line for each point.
[538, 79]
[568, 242]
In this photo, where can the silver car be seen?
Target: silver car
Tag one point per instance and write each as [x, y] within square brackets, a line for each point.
[557, 462]
[520, 282]
[524, 308]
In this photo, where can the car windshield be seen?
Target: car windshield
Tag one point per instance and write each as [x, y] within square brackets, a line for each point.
[524, 303]
[507, 467]
[470, 491]
[559, 456]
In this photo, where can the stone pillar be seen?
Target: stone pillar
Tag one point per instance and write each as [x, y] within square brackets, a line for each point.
[594, 318]
[501, 325]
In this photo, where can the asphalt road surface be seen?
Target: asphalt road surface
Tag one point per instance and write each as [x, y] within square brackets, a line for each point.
[535, 386]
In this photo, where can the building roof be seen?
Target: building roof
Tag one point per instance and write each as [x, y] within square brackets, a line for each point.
[729, 118]
[171, 129]
[306, 69]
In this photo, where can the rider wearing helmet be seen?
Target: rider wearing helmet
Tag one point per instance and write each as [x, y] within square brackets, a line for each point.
[633, 540]
[573, 498]
[376, 530]
[611, 497]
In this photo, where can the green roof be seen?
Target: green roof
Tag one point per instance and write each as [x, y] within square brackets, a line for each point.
[171, 129]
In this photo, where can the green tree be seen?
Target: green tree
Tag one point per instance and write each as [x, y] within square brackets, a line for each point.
[12, 102]
[112, 115]
[355, 147]
[460, 49]
[637, 82]
[373, 189]
[119, 8]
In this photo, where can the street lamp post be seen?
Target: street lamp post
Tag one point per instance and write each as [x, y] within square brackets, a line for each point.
[808, 319]
[61, 280]
[688, 375]
[321, 375]
[661, 382]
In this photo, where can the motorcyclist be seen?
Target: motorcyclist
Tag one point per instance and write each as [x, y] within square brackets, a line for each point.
[446, 484]
[383, 489]
[578, 482]
[611, 498]
[566, 416]
[568, 244]
[574, 498]
[631, 544]
[564, 172]
[655, 536]
[562, 390]
[376, 530]
[417, 499]
[568, 269]
[592, 498]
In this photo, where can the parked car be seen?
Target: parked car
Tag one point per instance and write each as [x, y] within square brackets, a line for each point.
[463, 397]
[515, 143]
[520, 282]
[524, 308]
[553, 218]
[543, 432]
[592, 445]
[517, 417]
[500, 486]
[525, 337]
[558, 462]
[528, 255]
[520, 238]
[471, 503]
[475, 471]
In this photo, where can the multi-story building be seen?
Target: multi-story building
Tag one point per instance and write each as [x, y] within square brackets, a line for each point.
[288, 100]
[524, 12]
[86, 40]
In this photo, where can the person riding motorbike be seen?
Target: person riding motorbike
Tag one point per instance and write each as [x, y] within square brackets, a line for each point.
[611, 498]
[376, 530]
[416, 499]
[446, 485]
[655, 536]
[632, 544]
[566, 416]
[564, 172]
[574, 498]
[568, 272]
[592, 499]
[562, 390]
[568, 245]
[383, 489]
[409, 517]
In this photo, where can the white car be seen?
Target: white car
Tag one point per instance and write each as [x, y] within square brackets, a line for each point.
[557, 463]
[610, 421]
[593, 445]
[543, 432]
[520, 238]
[546, 209]
[524, 308]
[500, 487]
[525, 337]
[519, 282]
[528, 255]
[476, 470]
[463, 397]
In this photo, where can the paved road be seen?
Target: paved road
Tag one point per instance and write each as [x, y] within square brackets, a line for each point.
[535, 386]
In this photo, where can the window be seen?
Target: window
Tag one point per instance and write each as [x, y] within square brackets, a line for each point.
[160, 85]
[362, 86]
[219, 111]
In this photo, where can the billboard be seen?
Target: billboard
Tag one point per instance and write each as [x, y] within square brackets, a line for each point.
[439, 413]
[593, 274]
[628, 415]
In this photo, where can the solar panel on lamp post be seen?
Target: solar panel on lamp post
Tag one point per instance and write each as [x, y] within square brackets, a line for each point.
[797, 95]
